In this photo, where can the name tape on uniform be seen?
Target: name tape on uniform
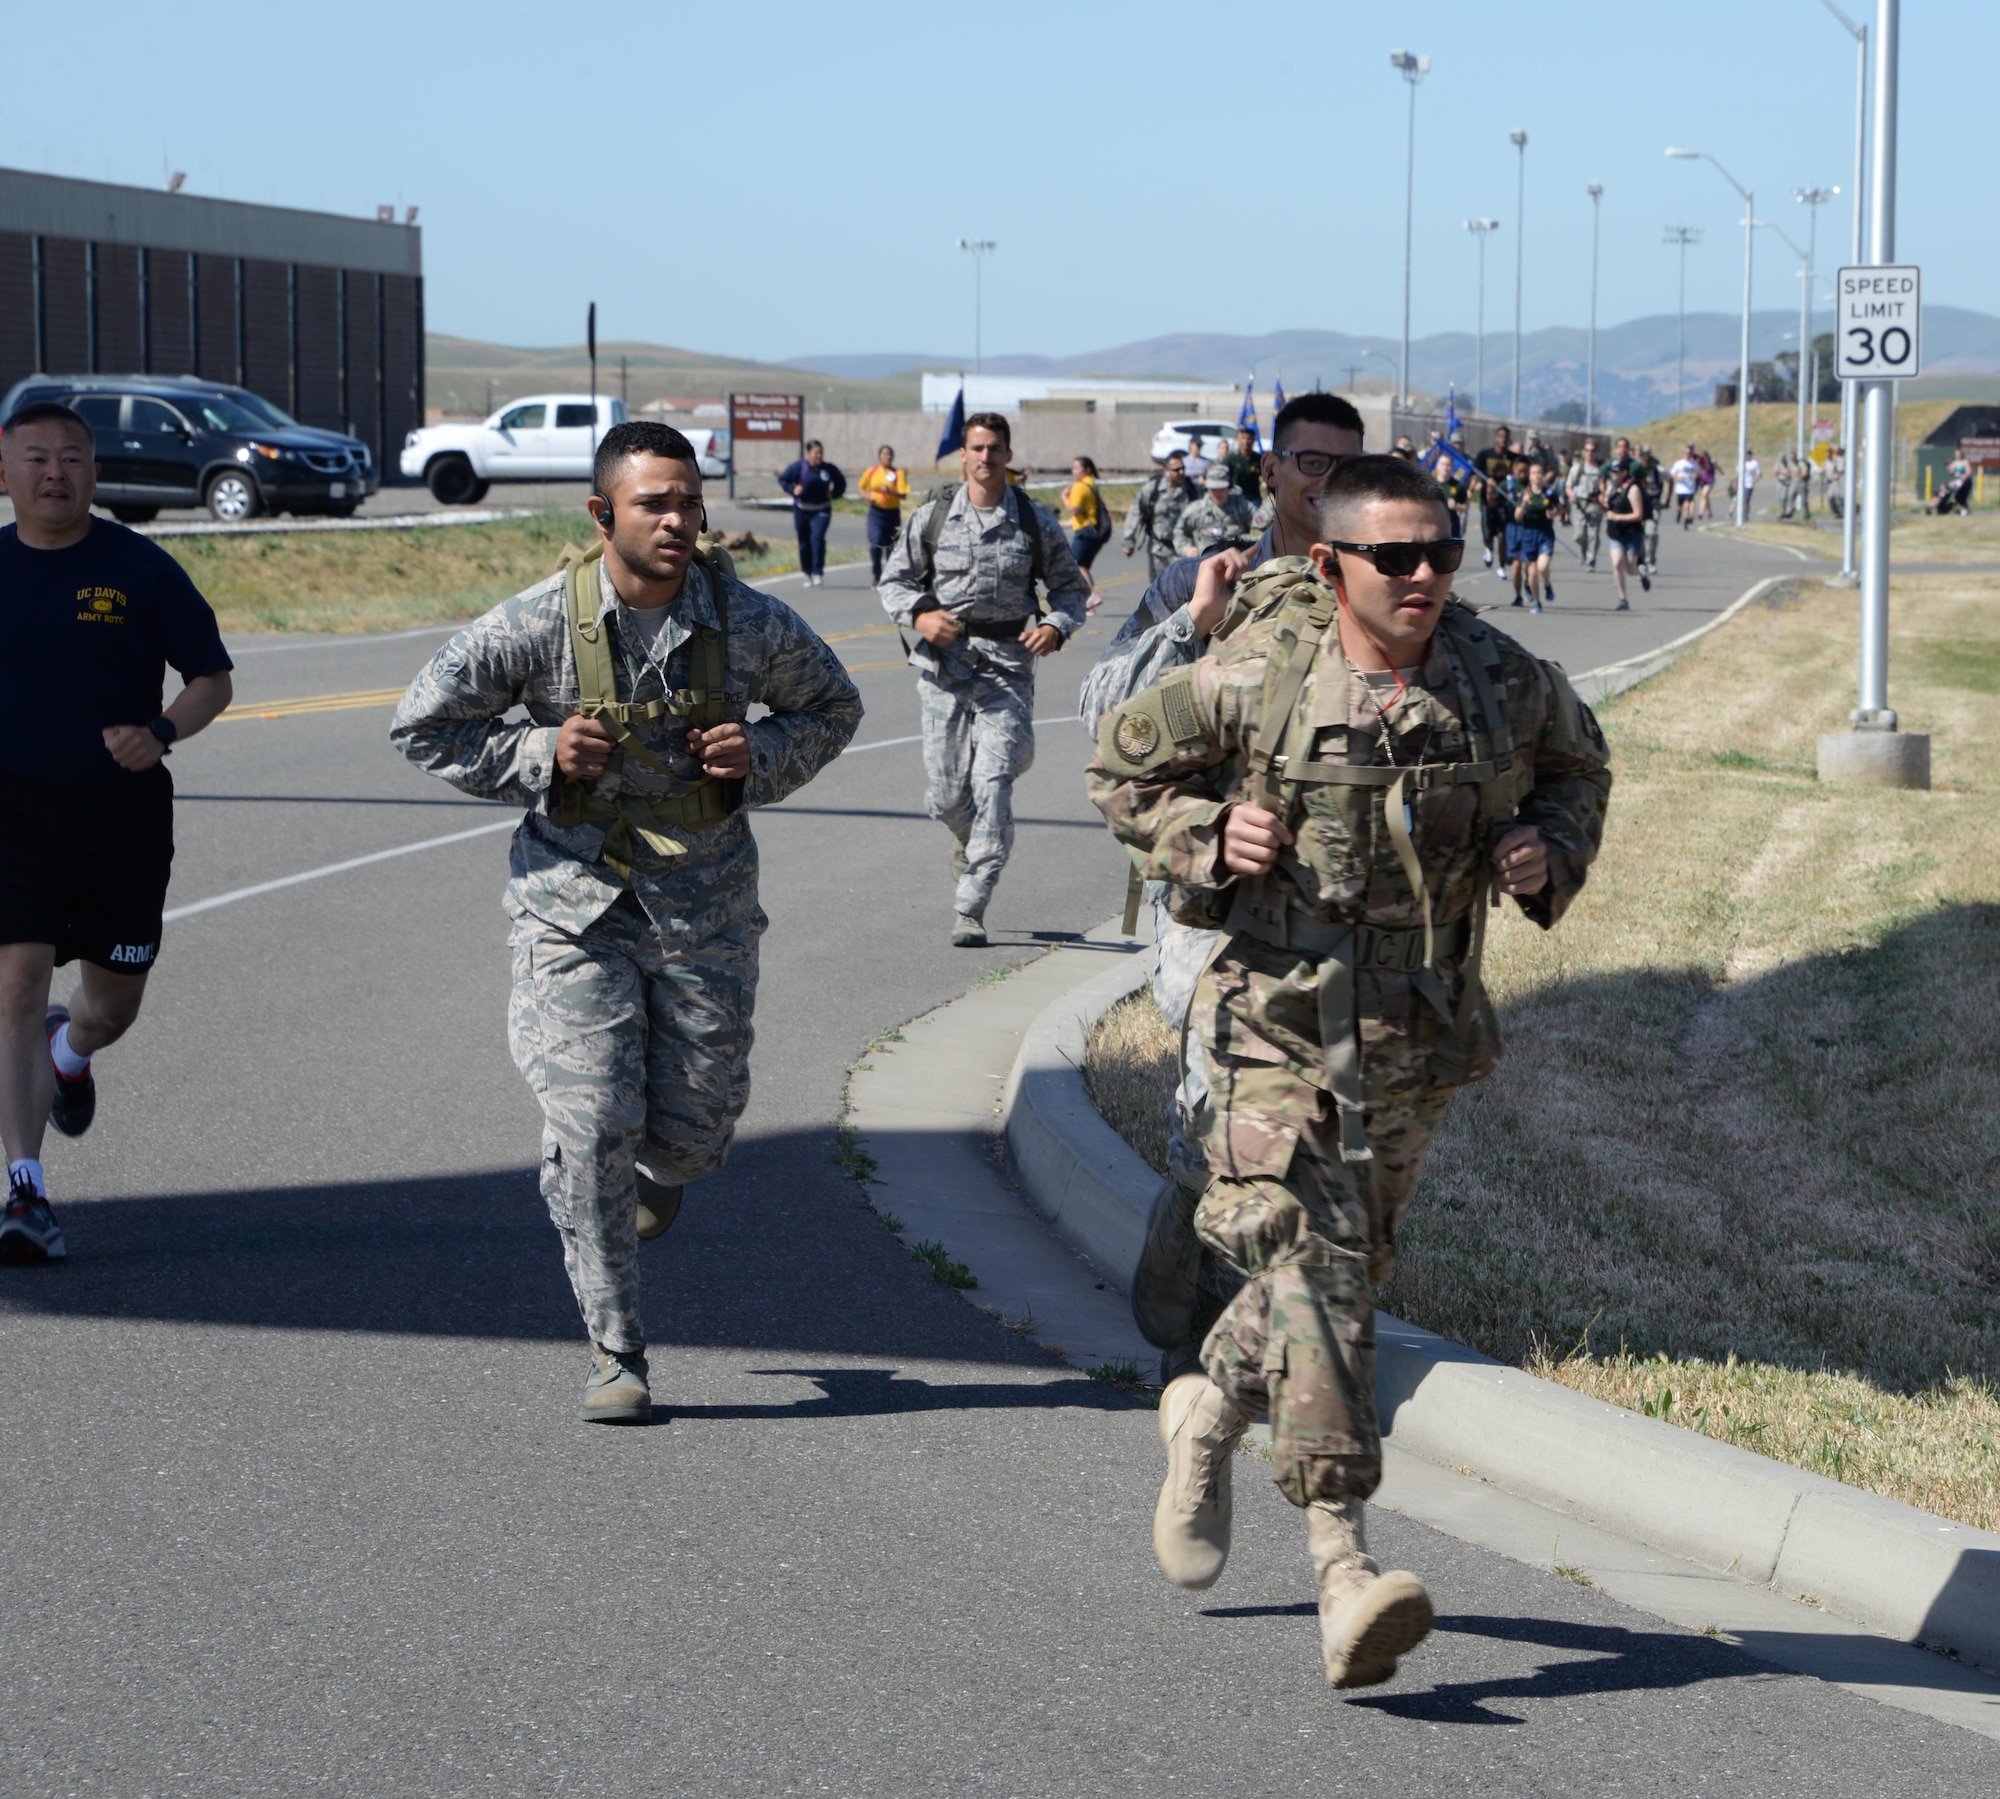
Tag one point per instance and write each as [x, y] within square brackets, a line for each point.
[1878, 323]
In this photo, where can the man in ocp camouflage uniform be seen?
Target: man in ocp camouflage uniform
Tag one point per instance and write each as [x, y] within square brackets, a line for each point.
[1155, 510]
[1179, 1287]
[1220, 516]
[963, 576]
[633, 884]
[1338, 787]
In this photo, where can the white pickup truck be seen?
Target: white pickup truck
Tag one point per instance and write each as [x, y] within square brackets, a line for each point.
[544, 437]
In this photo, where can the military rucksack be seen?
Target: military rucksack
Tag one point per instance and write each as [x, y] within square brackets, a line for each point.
[1027, 524]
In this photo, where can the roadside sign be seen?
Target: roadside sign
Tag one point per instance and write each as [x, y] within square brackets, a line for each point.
[1878, 323]
[766, 417]
[1981, 452]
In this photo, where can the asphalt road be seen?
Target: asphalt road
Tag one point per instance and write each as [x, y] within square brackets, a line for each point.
[298, 1497]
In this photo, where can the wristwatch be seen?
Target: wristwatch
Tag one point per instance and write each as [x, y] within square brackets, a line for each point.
[166, 731]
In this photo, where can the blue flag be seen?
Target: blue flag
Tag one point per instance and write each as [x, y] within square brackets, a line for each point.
[1277, 400]
[1246, 417]
[954, 427]
[1451, 423]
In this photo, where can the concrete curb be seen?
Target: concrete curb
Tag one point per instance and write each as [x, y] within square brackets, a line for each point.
[1887, 1566]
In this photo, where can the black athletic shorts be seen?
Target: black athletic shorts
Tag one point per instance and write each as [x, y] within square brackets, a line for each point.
[86, 868]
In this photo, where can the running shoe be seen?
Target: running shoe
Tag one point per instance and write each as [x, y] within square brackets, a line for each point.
[28, 1229]
[1489, 558]
[1521, 602]
[1548, 596]
[1622, 606]
[1645, 582]
[75, 1103]
[1536, 607]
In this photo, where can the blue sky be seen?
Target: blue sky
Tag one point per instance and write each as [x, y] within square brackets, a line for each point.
[784, 179]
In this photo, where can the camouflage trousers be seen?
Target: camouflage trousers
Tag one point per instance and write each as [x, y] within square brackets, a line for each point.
[639, 1053]
[1180, 953]
[979, 733]
[1313, 1236]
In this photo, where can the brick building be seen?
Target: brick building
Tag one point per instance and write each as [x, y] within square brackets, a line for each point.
[320, 314]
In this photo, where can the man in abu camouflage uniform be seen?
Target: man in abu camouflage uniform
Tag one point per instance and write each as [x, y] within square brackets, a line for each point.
[1155, 510]
[1179, 1287]
[633, 883]
[963, 576]
[1220, 516]
[1338, 787]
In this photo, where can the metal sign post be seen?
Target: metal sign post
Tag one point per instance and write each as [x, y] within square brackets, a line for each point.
[1877, 342]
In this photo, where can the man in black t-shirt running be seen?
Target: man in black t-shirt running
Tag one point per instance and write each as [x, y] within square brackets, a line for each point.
[91, 614]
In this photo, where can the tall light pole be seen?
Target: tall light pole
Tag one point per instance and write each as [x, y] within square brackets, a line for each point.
[980, 247]
[1878, 398]
[1481, 229]
[1849, 401]
[1519, 139]
[1682, 235]
[1596, 192]
[1413, 69]
[1743, 365]
[1812, 199]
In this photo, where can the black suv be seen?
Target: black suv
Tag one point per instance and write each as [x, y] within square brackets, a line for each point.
[175, 440]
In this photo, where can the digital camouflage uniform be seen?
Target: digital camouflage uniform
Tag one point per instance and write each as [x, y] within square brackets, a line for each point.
[1210, 521]
[633, 990]
[1332, 1043]
[1150, 520]
[977, 696]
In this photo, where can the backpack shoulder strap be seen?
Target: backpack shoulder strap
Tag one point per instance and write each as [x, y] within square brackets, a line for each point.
[1027, 516]
[590, 645]
[940, 500]
[708, 663]
[1281, 695]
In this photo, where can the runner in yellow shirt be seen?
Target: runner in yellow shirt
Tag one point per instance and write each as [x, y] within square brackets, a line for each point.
[886, 488]
[1089, 521]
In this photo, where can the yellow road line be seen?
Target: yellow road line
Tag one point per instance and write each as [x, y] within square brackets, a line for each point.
[316, 702]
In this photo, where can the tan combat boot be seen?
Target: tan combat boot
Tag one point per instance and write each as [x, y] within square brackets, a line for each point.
[1367, 1619]
[659, 1205]
[1201, 1427]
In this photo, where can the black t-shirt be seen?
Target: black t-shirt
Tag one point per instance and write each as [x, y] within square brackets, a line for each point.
[86, 635]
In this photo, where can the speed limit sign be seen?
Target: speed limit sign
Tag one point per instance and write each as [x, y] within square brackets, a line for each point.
[1878, 323]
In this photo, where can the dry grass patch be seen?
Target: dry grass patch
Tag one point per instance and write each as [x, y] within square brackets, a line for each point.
[1749, 1118]
[1917, 536]
[1131, 1066]
[390, 580]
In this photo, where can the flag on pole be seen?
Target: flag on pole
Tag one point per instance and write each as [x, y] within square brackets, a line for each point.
[1277, 400]
[1246, 417]
[1451, 421]
[1442, 449]
[954, 427]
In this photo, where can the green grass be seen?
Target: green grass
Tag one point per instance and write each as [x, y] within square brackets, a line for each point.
[943, 1268]
[392, 580]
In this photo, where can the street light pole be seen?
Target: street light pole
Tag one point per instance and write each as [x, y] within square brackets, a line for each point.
[1519, 139]
[1743, 363]
[1682, 235]
[1849, 401]
[1413, 69]
[1812, 199]
[1481, 229]
[1879, 397]
[980, 248]
[1596, 192]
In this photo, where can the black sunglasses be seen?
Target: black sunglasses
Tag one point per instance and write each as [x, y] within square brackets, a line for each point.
[1398, 560]
[1312, 463]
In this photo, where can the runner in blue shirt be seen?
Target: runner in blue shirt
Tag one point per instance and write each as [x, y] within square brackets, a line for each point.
[91, 614]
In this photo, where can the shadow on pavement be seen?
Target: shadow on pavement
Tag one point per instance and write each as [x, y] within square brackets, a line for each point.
[778, 1252]
[877, 1392]
[1611, 1660]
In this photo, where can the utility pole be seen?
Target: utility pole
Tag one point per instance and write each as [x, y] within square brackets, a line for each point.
[1481, 229]
[1874, 751]
[1413, 69]
[1519, 139]
[1682, 236]
[1850, 405]
[980, 248]
[1596, 192]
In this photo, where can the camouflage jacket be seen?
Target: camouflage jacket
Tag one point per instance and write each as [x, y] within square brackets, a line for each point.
[453, 723]
[1208, 522]
[1158, 636]
[1155, 510]
[1171, 762]
[984, 576]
